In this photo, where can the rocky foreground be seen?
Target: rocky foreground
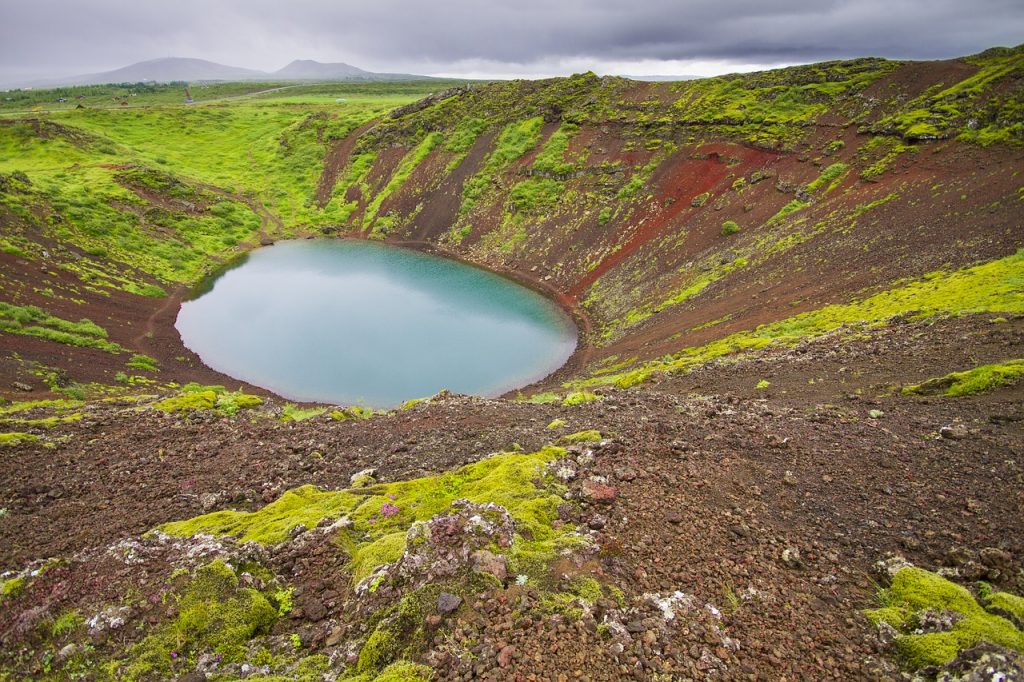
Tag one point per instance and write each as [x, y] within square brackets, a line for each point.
[647, 534]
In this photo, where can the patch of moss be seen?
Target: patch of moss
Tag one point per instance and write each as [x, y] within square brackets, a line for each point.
[730, 227]
[9, 589]
[16, 438]
[187, 402]
[375, 538]
[1008, 604]
[143, 362]
[914, 592]
[973, 381]
[579, 398]
[355, 412]
[588, 436]
[556, 424]
[214, 615]
[996, 286]
[293, 413]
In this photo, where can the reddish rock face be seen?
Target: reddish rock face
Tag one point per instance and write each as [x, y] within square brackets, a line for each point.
[600, 493]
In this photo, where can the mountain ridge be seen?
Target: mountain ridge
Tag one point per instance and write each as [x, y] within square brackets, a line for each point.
[169, 69]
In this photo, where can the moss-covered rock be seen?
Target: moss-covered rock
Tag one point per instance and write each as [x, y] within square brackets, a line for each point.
[935, 619]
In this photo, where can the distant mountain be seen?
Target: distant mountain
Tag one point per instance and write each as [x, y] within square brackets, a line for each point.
[307, 69]
[185, 69]
[310, 70]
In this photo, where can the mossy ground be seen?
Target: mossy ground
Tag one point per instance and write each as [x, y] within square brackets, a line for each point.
[382, 514]
[915, 592]
[971, 382]
[991, 287]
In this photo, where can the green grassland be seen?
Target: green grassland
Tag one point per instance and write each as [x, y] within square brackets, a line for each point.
[160, 192]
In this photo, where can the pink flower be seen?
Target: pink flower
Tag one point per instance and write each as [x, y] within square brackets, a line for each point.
[388, 510]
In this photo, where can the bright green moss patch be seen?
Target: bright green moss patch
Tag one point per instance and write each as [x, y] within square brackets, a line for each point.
[143, 362]
[197, 397]
[382, 514]
[828, 178]
[293, 413]
[353, 413]
[579, 398]
[588, 436]
[996, 286]
[305, 506]
[9, 589]
[977, 380]
[514, 141]
[556, 424]
[915, 592]
[43, 422]
[32, 321]
[26, 405]
[214, 615]
[1006, 603]
[16, 438]
[187, 402]
[730, 227]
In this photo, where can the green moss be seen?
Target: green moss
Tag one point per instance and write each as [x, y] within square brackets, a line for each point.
[231, 403]
[977, 380]
[26, 405]
[556, 424]
[579, 398]
[828, 178]
[996, 286]
[293, 413]
[762, 384]
[914, 592]
[588, 436]
[187, 402]
[605, 216]
[272, 524]
[143, 362]
[16, 438]
[514, 141]
[729, 227]
[1006, 603]
[214, 615]
[543, 398]
[9, 589]
[508, 480]
[404, 671]
[32, 321]
[353, 413]
[66, 623]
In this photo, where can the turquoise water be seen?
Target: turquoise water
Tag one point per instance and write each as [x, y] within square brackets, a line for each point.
[355, 322]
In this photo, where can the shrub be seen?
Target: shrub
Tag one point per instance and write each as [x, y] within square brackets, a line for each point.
[729, 227]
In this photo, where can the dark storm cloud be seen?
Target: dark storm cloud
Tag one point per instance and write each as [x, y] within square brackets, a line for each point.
[48, 37]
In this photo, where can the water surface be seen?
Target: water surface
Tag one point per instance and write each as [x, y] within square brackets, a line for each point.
[349, 322]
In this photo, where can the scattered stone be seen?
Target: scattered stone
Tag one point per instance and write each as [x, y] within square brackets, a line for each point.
[485, 561]
[954, 432]
[600, 493]
[789, 478]
[505, 656]
[21, 386]
[364, 478]
[983, 663]
[207, 501]
[447, 602]
[791, 557]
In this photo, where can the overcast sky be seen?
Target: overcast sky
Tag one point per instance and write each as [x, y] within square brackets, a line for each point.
[495, 38]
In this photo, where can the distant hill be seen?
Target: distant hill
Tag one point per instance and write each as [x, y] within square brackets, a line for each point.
[186, 69]
[308, 69]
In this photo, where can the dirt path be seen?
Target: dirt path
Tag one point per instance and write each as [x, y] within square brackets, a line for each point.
[336, 161]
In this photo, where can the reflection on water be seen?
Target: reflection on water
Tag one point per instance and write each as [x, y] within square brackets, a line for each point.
[359, 322]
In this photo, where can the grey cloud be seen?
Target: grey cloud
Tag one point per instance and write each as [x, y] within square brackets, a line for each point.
[50, 37]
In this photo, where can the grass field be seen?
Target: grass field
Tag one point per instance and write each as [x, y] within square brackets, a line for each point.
[166, 188]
